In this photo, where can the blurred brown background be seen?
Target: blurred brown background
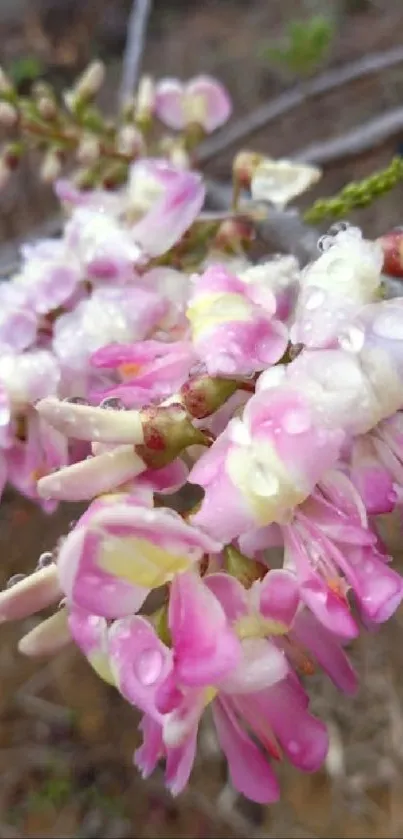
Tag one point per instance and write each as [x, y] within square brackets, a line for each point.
[66, 741]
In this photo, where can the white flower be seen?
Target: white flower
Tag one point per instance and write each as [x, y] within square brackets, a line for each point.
[279, 181]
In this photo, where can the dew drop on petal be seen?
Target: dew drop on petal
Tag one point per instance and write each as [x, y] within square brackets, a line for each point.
[316, 298]
[337, 227]
[263, 482]
[16, 578]
[76, 400]
[293, 747]
[389, 325]
[148, 666]
[325, 242]
[44, 560]
[352, 339]
[296, 421]
[112, 403]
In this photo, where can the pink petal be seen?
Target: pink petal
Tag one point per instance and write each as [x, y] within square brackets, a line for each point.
[303, 737]
[250, 772]
[171, 216]
[230, 593]
[169, 103]
[279, 596]
[217, 105]
[179, 764]
[262, 665]
[307, 630]
[206, 649]
[139, 661]
[87, 585]
[148, 755]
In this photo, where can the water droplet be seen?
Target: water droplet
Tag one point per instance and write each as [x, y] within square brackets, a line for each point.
[76, 400]
[325, 242]
[296, 421]
[225, 363]
[44, 560]
[15, 579]
[112, 403]
[316, 298]
[263, 482]
[337, 227]
[352, 339]
[368, 567]
[293, 747]
[389, 325]
[148, 666]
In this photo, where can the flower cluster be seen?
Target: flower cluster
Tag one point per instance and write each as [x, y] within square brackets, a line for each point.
[139, 358]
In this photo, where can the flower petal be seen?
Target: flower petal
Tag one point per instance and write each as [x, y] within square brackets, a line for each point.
[250, 772]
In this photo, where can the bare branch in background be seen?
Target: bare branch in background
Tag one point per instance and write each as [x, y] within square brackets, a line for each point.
[136, 32]
[359, 140]
[325, 83]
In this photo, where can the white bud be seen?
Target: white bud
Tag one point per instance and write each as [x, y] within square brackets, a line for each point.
[91, 81]
[50, 168]
[179, 157]
[8, 115]
[145, 99]
[129, 140]
[88, 149]
[47, 107]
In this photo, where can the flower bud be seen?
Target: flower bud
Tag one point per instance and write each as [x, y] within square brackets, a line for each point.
[233, 234]
[88, 85]
[203, 395]
[47, 107]
[88, 149]
[145, 99]
[51, 166]
[245, 165]
[130, 141]
[392, 246]
[167, 431]
[8, 115]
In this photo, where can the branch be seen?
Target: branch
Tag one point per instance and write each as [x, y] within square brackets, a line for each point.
[355, 142]
[324, 83]
[134, 49]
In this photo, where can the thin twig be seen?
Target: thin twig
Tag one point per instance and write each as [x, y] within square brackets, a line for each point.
[324, 83]
[359, 140]
[133, 54]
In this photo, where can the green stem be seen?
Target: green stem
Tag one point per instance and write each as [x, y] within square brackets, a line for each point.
[356, 194]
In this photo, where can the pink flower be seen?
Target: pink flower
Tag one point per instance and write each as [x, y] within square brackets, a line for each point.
[279, 276]
[50, 274]
[246, 682]
[231, 333]
[120, 550]
[146, 371]
[31, 447]
[18, 321]
[202, 101]
[102, 245]
[331, 549]
[264, 465]
[173, 212]
[110, 314]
